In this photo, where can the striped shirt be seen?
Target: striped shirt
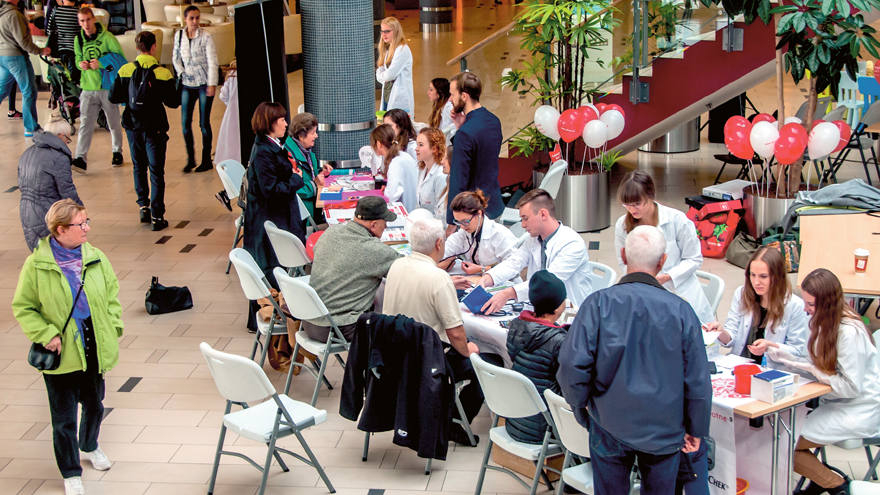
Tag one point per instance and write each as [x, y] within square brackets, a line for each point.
[64, 20]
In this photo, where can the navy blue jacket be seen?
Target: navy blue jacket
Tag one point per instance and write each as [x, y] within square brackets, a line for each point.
[635, 357]
[474, 164]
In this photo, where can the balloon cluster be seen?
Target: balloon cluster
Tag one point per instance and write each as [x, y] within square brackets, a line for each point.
[596, 124]
[761, 136]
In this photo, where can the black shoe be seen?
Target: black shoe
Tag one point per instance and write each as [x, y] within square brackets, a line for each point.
[158, 224]
[145, 214]
[117, 159]
[842, 489]
[79, 165]
[811, 489]
[189, 167]
[205, 166]
[13, 115]
[223, 198]
[458, 435]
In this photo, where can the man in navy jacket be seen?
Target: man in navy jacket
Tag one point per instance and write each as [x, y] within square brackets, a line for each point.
[477, 143]
[634, 370]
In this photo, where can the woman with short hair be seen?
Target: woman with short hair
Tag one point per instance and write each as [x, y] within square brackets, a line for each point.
[302, 134]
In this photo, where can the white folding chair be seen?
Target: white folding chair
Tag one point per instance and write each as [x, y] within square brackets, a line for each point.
[511, 395]
[713, 287]
[231, 174]
[308, 306]
[576, 440]
[240, 381]
[550, 183]
[288, 249]
[256, 286]
[606, 276]
[304, 216]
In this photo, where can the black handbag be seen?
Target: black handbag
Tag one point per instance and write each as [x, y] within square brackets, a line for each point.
[161, 299]
[43, 359]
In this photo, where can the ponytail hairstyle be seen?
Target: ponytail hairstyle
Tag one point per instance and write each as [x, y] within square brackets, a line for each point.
[441, 86]
[831, 309]
[384, 134]
[386, 51]
[437, 143]
[637, 187]
[405, 130]
[778, 293]
[470, 202]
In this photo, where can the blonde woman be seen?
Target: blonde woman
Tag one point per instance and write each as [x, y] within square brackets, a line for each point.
[433, 184]
[394, 68]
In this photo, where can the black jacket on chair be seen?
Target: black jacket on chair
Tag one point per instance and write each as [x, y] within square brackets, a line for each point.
[399, 365]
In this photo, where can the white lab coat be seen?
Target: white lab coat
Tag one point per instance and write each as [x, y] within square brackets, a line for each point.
[446, 123]
[229, 139]
[411, 150]
[432, 189]
[402, 176]
[852, 409]
[567, 258]
[790, 333]
[400, 71]
[683, 258]
[496, 244]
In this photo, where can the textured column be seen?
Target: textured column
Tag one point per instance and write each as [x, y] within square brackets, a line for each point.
[338, 75]
[435, 16]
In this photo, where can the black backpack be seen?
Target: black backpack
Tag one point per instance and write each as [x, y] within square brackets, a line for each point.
[140, 87]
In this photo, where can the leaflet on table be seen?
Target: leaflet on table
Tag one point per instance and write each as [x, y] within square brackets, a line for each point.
[729, 361]
[342, 215]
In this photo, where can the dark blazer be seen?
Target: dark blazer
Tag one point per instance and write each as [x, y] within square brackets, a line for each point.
[271, 195]
[411, 390]
[474, 164]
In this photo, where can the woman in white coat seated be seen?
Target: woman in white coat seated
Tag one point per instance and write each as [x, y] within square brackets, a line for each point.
[479, 243]
[841, 355]
[403, 127]
[394, 68]
[398, 168]
[764, 313]
[433, 183]
[683, 255]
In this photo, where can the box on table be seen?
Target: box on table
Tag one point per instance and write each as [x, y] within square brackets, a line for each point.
[774, 386]
[716, 223]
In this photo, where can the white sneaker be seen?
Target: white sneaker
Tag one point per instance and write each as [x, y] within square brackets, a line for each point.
[99, 459]
[74, 486]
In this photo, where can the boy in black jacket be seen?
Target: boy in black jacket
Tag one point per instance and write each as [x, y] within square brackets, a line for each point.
[147, 129]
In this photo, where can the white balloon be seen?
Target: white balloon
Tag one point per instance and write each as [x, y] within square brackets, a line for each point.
[545, 120]
[595, 133]
[413, 217]
[763, 138]
[614, 120]
[823, 140]
[796, 120]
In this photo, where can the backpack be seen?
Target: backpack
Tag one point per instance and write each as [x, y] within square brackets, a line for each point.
[140, 87]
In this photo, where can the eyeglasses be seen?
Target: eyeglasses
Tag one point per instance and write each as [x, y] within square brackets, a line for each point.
[66, 138]
[464, 223]
[634, 206]
[80, 225]
[384, 31]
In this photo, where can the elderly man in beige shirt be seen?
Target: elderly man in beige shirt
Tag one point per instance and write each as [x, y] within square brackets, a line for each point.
[417, 288]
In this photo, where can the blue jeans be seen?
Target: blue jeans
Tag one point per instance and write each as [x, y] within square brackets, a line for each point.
[187, 105]
[613, 462]
[700, 462]
[148, 155]
[18, 70]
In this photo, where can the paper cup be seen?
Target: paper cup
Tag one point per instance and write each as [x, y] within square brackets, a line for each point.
[861, 260]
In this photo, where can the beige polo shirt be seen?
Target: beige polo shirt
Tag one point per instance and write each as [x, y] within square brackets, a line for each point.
[417, 288]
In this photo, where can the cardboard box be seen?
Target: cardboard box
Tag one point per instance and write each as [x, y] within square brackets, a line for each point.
[716, 226]
[522, 466]
[728, 190]
[774, 386]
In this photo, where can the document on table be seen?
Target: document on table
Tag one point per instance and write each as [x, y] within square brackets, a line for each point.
[393, 231]
[730, 361]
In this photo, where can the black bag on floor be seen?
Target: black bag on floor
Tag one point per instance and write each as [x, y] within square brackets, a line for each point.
[161, 299]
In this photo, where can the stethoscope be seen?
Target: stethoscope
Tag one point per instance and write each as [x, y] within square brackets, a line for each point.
[473, 241]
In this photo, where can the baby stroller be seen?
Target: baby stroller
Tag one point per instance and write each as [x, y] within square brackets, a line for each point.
[65, 93]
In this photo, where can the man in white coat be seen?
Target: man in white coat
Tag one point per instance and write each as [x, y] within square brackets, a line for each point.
[552, 247]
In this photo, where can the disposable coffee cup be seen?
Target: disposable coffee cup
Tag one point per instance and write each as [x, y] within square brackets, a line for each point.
[861, 260]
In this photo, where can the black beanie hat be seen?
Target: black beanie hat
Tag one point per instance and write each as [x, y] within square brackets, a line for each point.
[546, 292]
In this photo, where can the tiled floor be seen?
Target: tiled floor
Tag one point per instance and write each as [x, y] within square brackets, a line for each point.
[164, 411]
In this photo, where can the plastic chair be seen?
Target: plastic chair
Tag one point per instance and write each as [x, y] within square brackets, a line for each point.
[836, 114]
[821, 108]
[576, 440]
[848, 98]
[607, 276]
[550, 183]
[288, 249]
[861, 141]
[713, 287]
[870, 90]
[305, 217]
[309, 307]
[240, 381]
[231, 174]
[511, 395]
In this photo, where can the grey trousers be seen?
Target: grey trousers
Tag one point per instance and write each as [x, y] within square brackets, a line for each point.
[90, 104]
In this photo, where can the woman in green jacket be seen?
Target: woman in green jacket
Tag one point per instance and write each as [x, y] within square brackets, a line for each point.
[67, 276]
[302, 134]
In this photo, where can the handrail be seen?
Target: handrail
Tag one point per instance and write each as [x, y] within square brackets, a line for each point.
[479, 46]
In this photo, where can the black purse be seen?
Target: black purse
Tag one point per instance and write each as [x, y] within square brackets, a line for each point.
[161, 299]
[43, 359]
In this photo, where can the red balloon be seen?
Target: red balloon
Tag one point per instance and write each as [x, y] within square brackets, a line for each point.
[763, 117]
[570, 125]
[737, 122]
[845, 134]
[588, 113]
[737, 141]
[310, 244]
[601, 107]
[797, 131]
[614, 107]
[788, 148]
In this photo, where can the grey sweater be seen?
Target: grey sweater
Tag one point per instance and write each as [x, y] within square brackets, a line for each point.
[15, 34]
[349, 266]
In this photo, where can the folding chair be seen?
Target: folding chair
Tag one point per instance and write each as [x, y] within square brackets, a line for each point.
[576, 440]
[550, 183]
[309, 307]
[511, 395]
[289, 250]
[713, 288]
[861, 141]
[730, 159]
[240, 381]
[304, 216]
[231, 174]
[607, 278]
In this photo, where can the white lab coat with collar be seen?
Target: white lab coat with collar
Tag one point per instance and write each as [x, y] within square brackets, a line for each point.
[402, 176]
[399, 71]
[229, 139]
[852, 409]
[567, 258]
[411, 150]
[790, 333]
[432, 187]
[496, 244]
[683, 258]
[446, 123]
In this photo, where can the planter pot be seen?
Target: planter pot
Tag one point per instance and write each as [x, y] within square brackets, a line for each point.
[583, 201]
[764, 213]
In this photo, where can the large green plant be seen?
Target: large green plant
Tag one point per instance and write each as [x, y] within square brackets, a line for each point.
[559, 34]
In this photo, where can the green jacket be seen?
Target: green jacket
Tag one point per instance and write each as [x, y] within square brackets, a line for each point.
[43, 300]
[94, 47]
[308, 192]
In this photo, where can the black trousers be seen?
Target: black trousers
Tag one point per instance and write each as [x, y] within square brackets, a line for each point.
[148, 155]
[471, 396]
[65, 392]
